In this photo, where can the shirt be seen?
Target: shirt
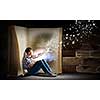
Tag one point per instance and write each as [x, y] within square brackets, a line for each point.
[27, 61]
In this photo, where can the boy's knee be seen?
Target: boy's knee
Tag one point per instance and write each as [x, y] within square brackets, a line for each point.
[39, 62]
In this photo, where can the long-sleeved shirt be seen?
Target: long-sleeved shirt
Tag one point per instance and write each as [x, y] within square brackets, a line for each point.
[27, 61]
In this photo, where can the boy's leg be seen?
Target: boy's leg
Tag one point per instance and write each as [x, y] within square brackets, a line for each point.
[46, 65]
[45, 68]
[40, 64]
[34, 70]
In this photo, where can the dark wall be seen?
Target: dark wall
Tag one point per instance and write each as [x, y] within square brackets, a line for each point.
[3, 51]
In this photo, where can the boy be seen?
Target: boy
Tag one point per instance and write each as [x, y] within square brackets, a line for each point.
[32, 66]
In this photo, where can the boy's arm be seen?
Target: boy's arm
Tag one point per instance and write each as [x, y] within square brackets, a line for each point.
[32, 63]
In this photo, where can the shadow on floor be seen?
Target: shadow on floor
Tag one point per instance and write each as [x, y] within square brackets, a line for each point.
[64, 76]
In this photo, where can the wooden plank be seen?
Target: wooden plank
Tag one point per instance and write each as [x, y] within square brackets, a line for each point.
[68, 53]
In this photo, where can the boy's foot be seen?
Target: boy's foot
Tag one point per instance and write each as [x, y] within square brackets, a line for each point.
[53, 75]
[50, 75]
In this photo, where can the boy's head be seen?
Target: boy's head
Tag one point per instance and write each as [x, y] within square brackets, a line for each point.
[29, 51]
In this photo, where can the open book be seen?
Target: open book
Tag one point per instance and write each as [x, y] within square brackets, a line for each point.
[40, 54]
[47, 55]
[40, 57]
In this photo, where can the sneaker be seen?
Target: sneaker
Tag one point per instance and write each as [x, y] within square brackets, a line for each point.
[53, 75]
[50, 75]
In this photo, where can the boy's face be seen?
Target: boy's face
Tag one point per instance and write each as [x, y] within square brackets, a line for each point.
[30, 53]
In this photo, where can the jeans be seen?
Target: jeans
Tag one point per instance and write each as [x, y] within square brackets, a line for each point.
[42, 64]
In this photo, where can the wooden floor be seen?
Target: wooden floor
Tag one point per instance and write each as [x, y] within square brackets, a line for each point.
[67, 76]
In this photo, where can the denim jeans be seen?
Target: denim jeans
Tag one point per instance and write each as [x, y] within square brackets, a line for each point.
[42, 64]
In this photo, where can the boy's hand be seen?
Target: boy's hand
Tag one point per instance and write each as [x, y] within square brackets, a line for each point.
[31, 65]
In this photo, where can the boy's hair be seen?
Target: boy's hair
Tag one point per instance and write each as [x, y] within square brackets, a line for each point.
[28, 49]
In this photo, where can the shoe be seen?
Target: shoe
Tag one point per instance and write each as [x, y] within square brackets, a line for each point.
[53, 75]
[50, 75]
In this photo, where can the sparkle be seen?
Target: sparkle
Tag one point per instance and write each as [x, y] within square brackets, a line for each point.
[76, 30]
[93, 24]
[78, 34]
[66, 34]
[64, 45]
[79, 31]
[70, 38]
[73, 35]
[64, 29]
[76, 22]
[73, 42]
[66, 37]
[67, 43]
[69, 28]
